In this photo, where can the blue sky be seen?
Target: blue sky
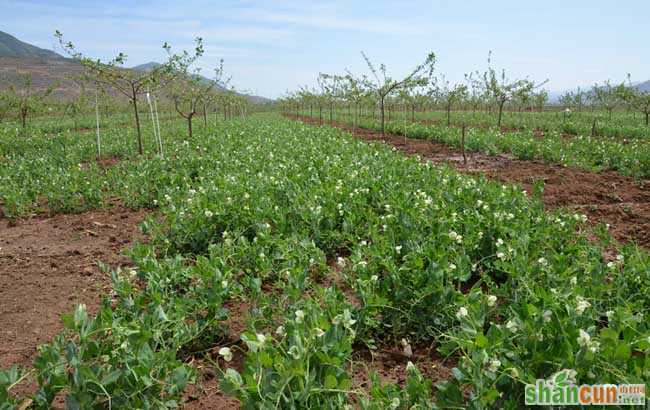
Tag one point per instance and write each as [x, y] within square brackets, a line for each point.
[270, 47]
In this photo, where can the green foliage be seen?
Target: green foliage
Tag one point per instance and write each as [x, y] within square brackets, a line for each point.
[334, 244]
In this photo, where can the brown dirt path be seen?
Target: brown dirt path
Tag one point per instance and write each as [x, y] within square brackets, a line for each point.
[48, 265]
[605, 197]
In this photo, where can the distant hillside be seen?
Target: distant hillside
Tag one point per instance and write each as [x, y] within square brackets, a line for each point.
[43, 72]
[554, 96]
[644, 86]
[10, 46]
[46, 67]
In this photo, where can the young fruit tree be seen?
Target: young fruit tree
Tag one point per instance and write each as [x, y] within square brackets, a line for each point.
[449, 95]
[187, 93]
[354, 93]
[384, 85]
[7, 103]
[414, 99]
[640, 100]
[330, 91]
[501, 89]
[608, 96]
[131, 83]
[190, 91]
[574, 99]
[27, 98]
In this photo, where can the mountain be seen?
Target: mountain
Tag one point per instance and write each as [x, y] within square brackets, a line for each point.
[46, 67]
[644, 86]
[10, 46]
[554, 96]
[146, 66]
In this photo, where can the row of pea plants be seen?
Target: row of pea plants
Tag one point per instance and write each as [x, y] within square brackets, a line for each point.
[586, 152]
[621, 125]
[60, 173]
[259, 211]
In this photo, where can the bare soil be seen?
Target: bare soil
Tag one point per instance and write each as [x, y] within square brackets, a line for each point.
[605, 197]
[48, 265]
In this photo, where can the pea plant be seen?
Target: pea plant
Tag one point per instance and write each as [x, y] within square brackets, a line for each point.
[332, 250]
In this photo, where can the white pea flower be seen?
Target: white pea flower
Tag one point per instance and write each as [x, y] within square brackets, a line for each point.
[452, 266]
[594, 347]
[546, 316]
[398, 249]
[582, 305]
[542, 261]
[501, 255]
[494, 365]
[408, 351]
[300, 315]
[491, 300]
[462, 312]
[410, 367]
[512, 325]
[319, 332]
[280, 331]
[226, 353]
[208, 213]
[609, 314]
[374, 278]
[584, 338]
[456, 237]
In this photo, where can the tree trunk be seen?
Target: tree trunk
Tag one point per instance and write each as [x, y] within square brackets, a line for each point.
[500, 113]
[320, 114]
[381, 107]
[134, 100]
[647, 115]
[462, 145]
[593, 128]
[23, 117]
[189, 125]
[205, 115]
[448, 114]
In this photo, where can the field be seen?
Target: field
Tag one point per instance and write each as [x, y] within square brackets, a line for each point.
[284, 263]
